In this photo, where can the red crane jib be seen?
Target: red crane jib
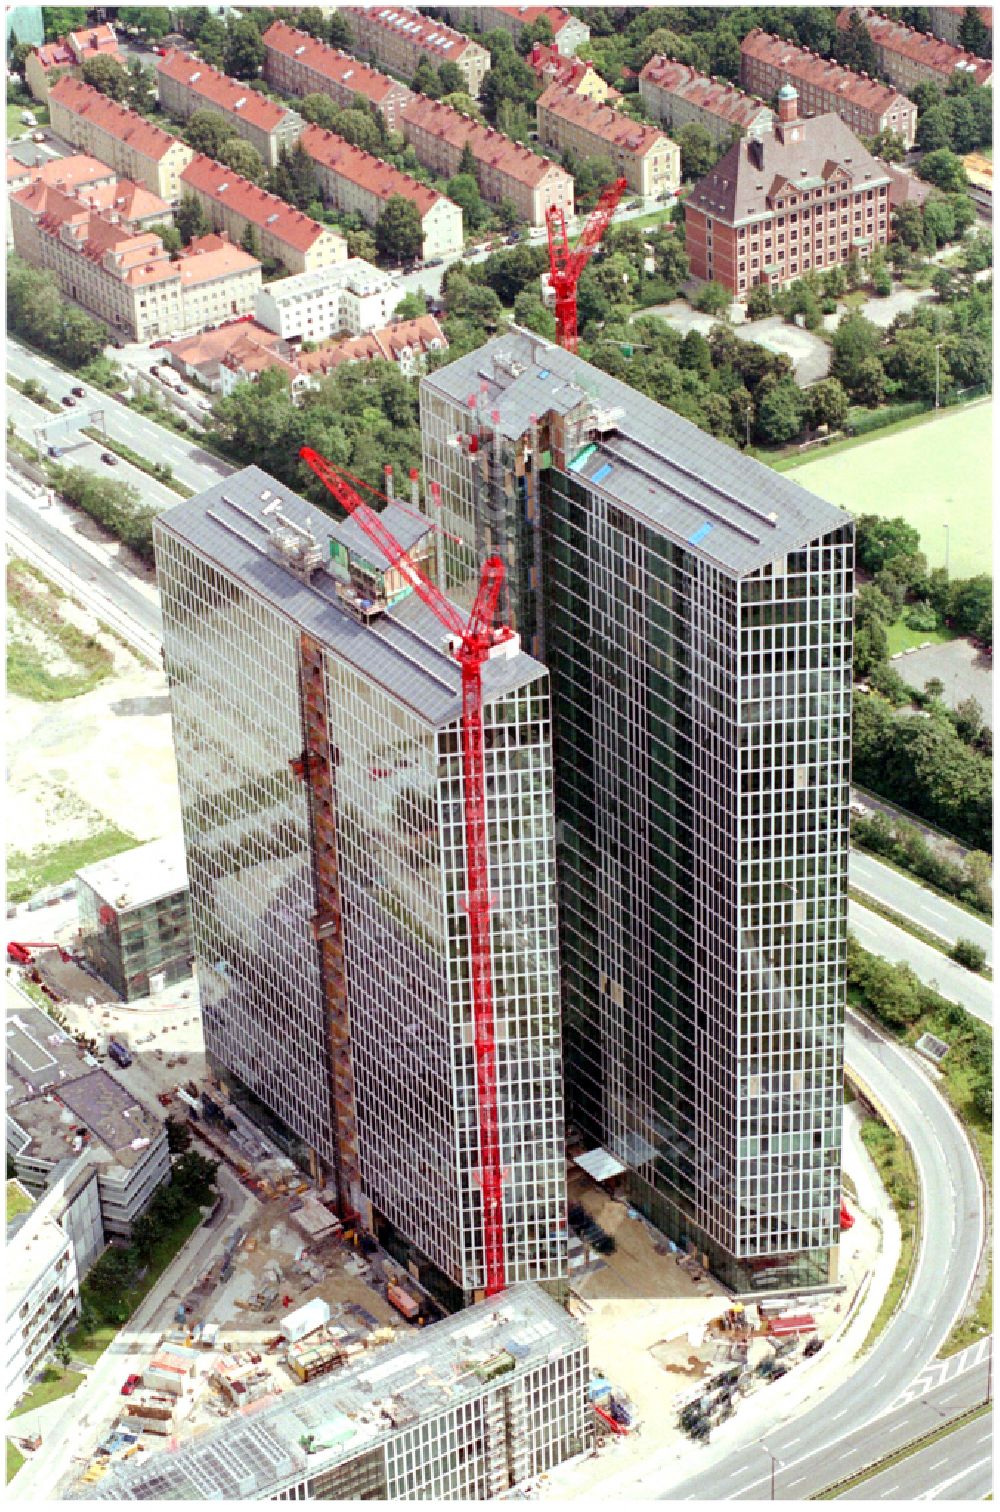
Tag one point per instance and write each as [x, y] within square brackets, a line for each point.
[475, 641]
[565, 266]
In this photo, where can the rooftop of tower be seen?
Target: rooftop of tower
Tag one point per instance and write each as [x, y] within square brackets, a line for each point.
[402, 651]
[708, 497]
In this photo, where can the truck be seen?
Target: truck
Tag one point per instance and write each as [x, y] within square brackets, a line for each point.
[118, 1053]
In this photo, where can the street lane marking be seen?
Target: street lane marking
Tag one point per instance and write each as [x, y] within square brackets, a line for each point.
[943, 1485]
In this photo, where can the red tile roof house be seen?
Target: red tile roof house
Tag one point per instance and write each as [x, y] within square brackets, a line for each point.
[907, 57]
[550, 66]
[946, 20]
[677, 95]
[355, 182]
[866, 105]
[67, 55]
[201, 356]
[297, 64]
[185, 84]
[88, 185]
[399, 39]
[569, 32]
[232, 204]
[60, 173]
[778, 205]
[406, 343]
[504, 170]
[125, 140]
[646, 158]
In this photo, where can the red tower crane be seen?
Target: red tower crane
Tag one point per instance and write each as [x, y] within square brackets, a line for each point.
[471, 647]
[565, 266]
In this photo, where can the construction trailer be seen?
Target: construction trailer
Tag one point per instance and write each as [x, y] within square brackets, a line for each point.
[476, 1406]
[305, 1320]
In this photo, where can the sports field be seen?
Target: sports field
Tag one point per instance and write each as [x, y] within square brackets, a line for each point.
[933, 475]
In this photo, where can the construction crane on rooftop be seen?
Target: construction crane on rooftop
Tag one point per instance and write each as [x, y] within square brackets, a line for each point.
[565, 266]
[471, 645]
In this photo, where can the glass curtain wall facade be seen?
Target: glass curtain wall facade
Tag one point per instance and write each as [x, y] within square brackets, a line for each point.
[702, 732]
[126, 948]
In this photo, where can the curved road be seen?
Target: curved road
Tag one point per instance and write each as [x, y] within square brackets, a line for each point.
[834, 1438]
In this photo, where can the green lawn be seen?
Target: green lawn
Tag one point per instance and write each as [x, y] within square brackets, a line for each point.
[15, 1459]
[932, 475]
[18, 1201]
[654, 218]
[55, 1383]
[900, 637]
[15, 126]
[28, 873]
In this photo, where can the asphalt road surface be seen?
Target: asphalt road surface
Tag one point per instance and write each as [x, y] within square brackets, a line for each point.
[847, 1431]
[952, 981]
[914, 902]
[956, 1468]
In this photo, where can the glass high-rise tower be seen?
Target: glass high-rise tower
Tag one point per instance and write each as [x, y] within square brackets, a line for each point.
[695, 611]
[316, 719]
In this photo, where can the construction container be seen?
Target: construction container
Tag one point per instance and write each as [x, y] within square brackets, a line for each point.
[311, 1360]
[305, 1320]
[403, 1302]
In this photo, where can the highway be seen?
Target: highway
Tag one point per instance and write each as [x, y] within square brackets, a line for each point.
[956, 1468]
[918, 903]
[952, 981]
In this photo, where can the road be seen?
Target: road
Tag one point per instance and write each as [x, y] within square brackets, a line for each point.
[952, 981]
[192, 465]
[956, 1468]
[849, 1428]
[925, 908]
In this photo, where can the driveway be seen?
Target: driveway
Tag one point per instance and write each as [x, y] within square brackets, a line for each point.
[965, 672]
[810, 356]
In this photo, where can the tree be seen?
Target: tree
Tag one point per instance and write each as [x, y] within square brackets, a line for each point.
[854, 340]
[243, 53]
[531, 313]
[151, 22]
[426, 81]
[881, 282]
[109, 77]
[250, 240]
[338, 31]
[725, 57]
[698, 151]
[169, 236]
[190, 219]
[313, 21]
[208, 132]
[211, 42]
[878, 540]
[464, 191]
[509, 79]
[178, 1135]
[62, 1351]
[934, 129]
[943, 169]
[81, 338]
[399, 233]
[17, 61]
[147, 1231]
[244, 159]
[538, 31]
[452, 79]
[670, 260]
[969, 602]
[193, 1174]
[713, 298]
[59, 20]
[780, 413]
[974, 35]
[759, 302]
[854, 47]
[826, 404]
[889, 146]
[908, 224]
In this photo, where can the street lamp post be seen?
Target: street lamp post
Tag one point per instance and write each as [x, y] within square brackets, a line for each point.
[937, 375]
[748, 418]
[775, 1462]
[947, 548]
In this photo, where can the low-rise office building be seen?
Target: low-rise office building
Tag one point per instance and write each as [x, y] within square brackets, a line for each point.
[908, 57]
[648, 160]
[678, 95]
[298, 64]
[400, 39]
[358, 183]
[504, 169]
[866, 105]
[186, 84]
[120, 137]
[568, 32]
[487, 1400]
[135, 920]
[353, 298]
[67, 55]
[41, 1295]
[234, 205]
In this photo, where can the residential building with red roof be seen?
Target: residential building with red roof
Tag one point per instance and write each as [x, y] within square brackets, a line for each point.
[678, 95]
[568, 32]
[125, 140]
[399, 38]
[185, 84]
[504, 169]
[866, 105]
[356, 182]
[122, 273]
[405, 342]
[200, 356]
[553, 67]
[233, 204]
[68, 55]
[60, 173]
[946, 20]
[350, 299]
[805, 197]
[298, 64]
[908, 57]
[643, 155]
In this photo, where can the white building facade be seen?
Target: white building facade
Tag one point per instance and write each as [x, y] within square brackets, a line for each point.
[354, 297]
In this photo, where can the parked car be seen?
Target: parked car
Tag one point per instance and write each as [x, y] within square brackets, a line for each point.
[38, 136]
[182, 388]
[512, 241]
[109, 459]
[81, 393]
[130, 1383]
[434, 262]
[69, 401]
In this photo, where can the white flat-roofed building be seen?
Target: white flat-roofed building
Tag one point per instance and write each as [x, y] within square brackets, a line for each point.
[41, 1295]
[354, 297]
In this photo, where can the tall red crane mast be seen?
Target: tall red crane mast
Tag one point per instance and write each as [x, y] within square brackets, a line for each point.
[565, 266]
[471, 647]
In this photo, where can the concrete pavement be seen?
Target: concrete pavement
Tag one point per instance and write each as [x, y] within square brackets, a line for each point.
[909, 898]
[954, 982]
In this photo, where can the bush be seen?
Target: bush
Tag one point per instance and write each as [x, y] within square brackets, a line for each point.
[860, 421]
[967, 953]
[922, 617]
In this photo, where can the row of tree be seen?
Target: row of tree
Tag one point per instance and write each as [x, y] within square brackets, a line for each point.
[969, 880]
[37, 312]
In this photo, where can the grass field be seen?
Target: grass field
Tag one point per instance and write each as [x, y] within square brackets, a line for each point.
[15, 1459]
[18, 1201]
[934, 474]
[16, 127]
[55, 1383]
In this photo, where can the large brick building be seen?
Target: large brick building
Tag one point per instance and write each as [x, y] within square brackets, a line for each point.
[297, 64]
[648, 160]
[504, 170]
[125, 140]
[908, 57]
[399, 39]
[678, 95]
[805, 197]
[67, 56]
[186, 84]
[863, 103]
[356, 182]
[233, 205]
